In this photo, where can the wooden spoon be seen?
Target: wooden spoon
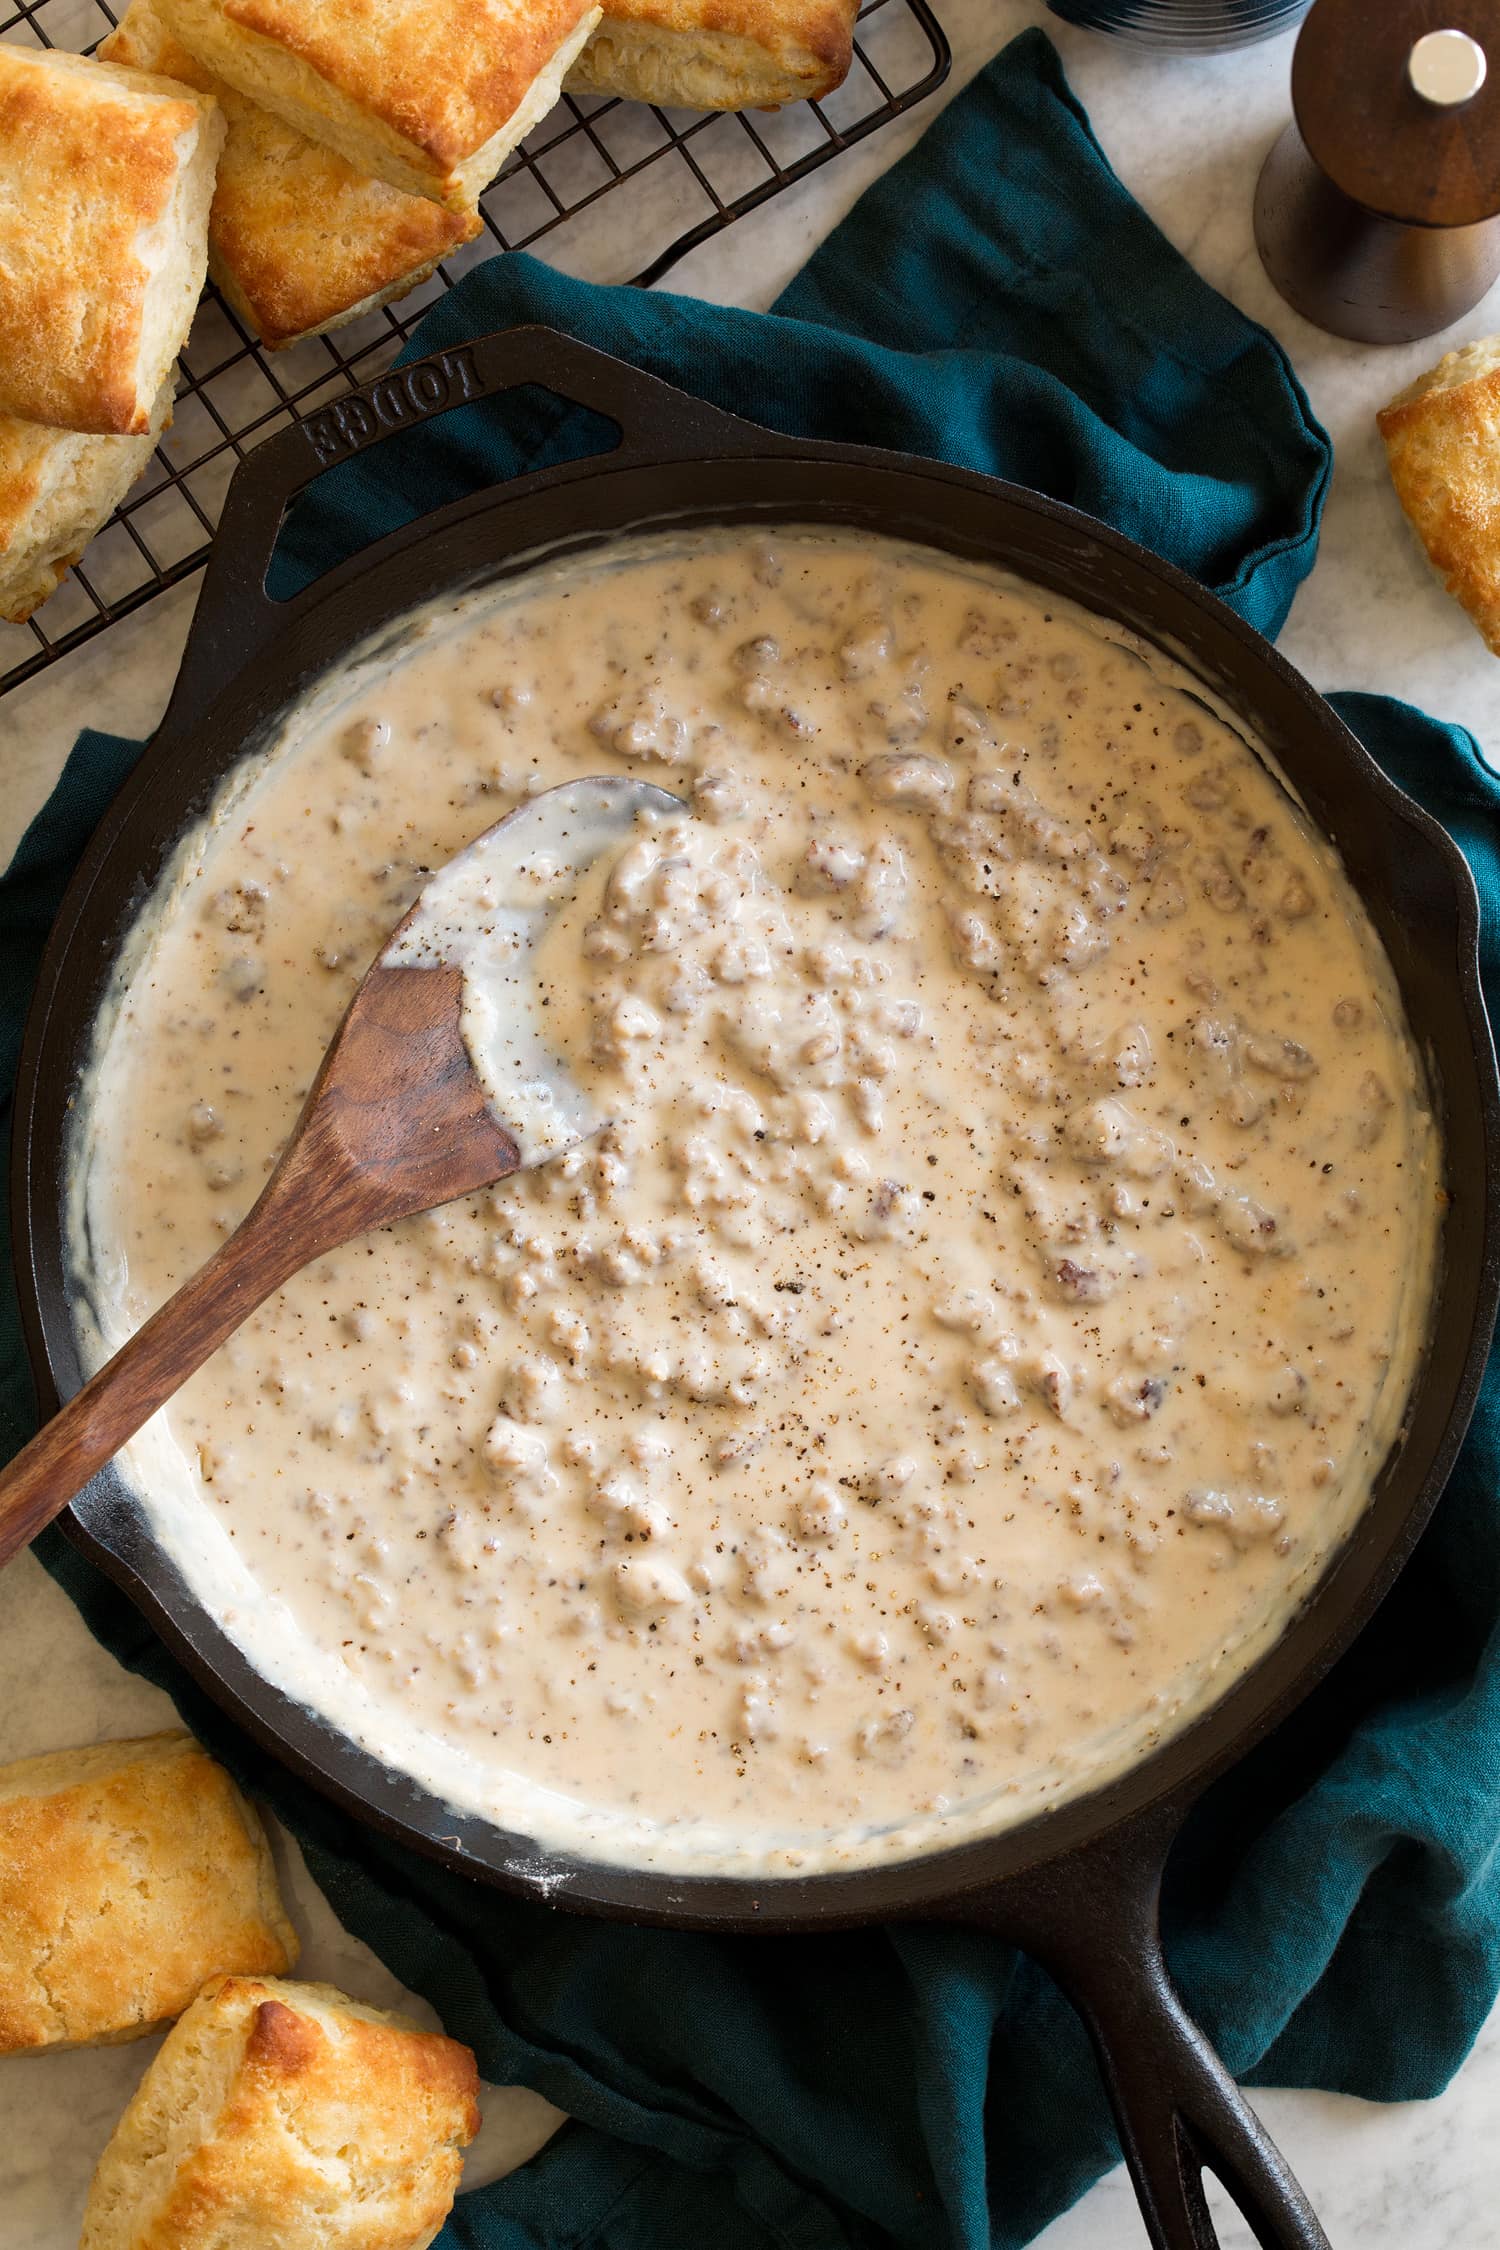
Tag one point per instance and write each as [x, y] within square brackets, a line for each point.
[401, 1117]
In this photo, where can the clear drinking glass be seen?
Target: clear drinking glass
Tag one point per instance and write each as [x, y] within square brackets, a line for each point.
[1193, 27]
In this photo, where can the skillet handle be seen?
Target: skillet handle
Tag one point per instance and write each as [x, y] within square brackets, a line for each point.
[235, 616]
[1093, 1920]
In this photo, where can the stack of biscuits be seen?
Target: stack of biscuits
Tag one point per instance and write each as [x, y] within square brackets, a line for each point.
[108, 177]
[137, 1890]
[317, 158]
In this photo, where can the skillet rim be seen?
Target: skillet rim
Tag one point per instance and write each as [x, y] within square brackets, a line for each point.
[109, 1529]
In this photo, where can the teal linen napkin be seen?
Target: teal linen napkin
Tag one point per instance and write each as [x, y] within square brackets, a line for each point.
[1334, 1912]
[996, 300]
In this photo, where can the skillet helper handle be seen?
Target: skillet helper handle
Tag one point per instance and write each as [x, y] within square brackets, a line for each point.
[235, 616]
[1093, 1920]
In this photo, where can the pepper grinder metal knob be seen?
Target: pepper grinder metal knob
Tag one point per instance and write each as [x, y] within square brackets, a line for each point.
[1377, 213]
[1446, 68]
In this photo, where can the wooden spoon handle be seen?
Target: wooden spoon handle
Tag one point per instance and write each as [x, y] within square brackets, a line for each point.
[143, 1374]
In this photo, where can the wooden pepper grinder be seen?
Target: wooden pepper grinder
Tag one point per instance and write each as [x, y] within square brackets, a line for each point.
[1376, 211]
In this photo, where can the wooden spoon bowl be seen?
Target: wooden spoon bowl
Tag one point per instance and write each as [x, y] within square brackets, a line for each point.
[398, 1120]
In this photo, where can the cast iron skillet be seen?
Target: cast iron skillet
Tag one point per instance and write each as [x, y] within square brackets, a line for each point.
[1079, 1886]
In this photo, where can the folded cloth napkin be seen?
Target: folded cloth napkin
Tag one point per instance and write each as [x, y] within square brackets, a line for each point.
[1334, 1913]
[996, 300]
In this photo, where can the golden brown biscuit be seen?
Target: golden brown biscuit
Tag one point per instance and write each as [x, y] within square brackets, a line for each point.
[718, 54]
[1442, 440]
[105, 181]
[298, 241]
[56, 489]
[427, 95]
[129, 1872]
[289, 2116]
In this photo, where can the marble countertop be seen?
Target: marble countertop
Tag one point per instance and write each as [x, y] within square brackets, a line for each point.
[1188, 137]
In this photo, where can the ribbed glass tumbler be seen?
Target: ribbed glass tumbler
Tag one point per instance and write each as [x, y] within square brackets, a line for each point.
[1194, 27]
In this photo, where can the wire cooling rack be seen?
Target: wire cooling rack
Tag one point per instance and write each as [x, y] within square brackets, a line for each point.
[673, 179]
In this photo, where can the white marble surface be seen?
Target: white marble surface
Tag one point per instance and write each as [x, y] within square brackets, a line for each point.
[1188, 137]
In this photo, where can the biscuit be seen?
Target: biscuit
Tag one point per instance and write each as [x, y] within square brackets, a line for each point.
[1442, 440]
[105, 180]
[428, 95]
[56, 488]
[298, 241]
[288, 2116]
[129, 1873]
[718, 54]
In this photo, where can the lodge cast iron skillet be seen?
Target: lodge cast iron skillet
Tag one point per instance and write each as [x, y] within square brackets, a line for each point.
[1078, 1887]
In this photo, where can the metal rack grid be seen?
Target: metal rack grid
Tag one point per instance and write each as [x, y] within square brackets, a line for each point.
[687, 176]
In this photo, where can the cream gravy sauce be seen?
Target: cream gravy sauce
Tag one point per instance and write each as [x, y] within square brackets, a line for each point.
[981, 1319]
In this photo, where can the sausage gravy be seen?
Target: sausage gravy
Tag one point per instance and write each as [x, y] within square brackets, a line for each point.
[1001, 1274]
